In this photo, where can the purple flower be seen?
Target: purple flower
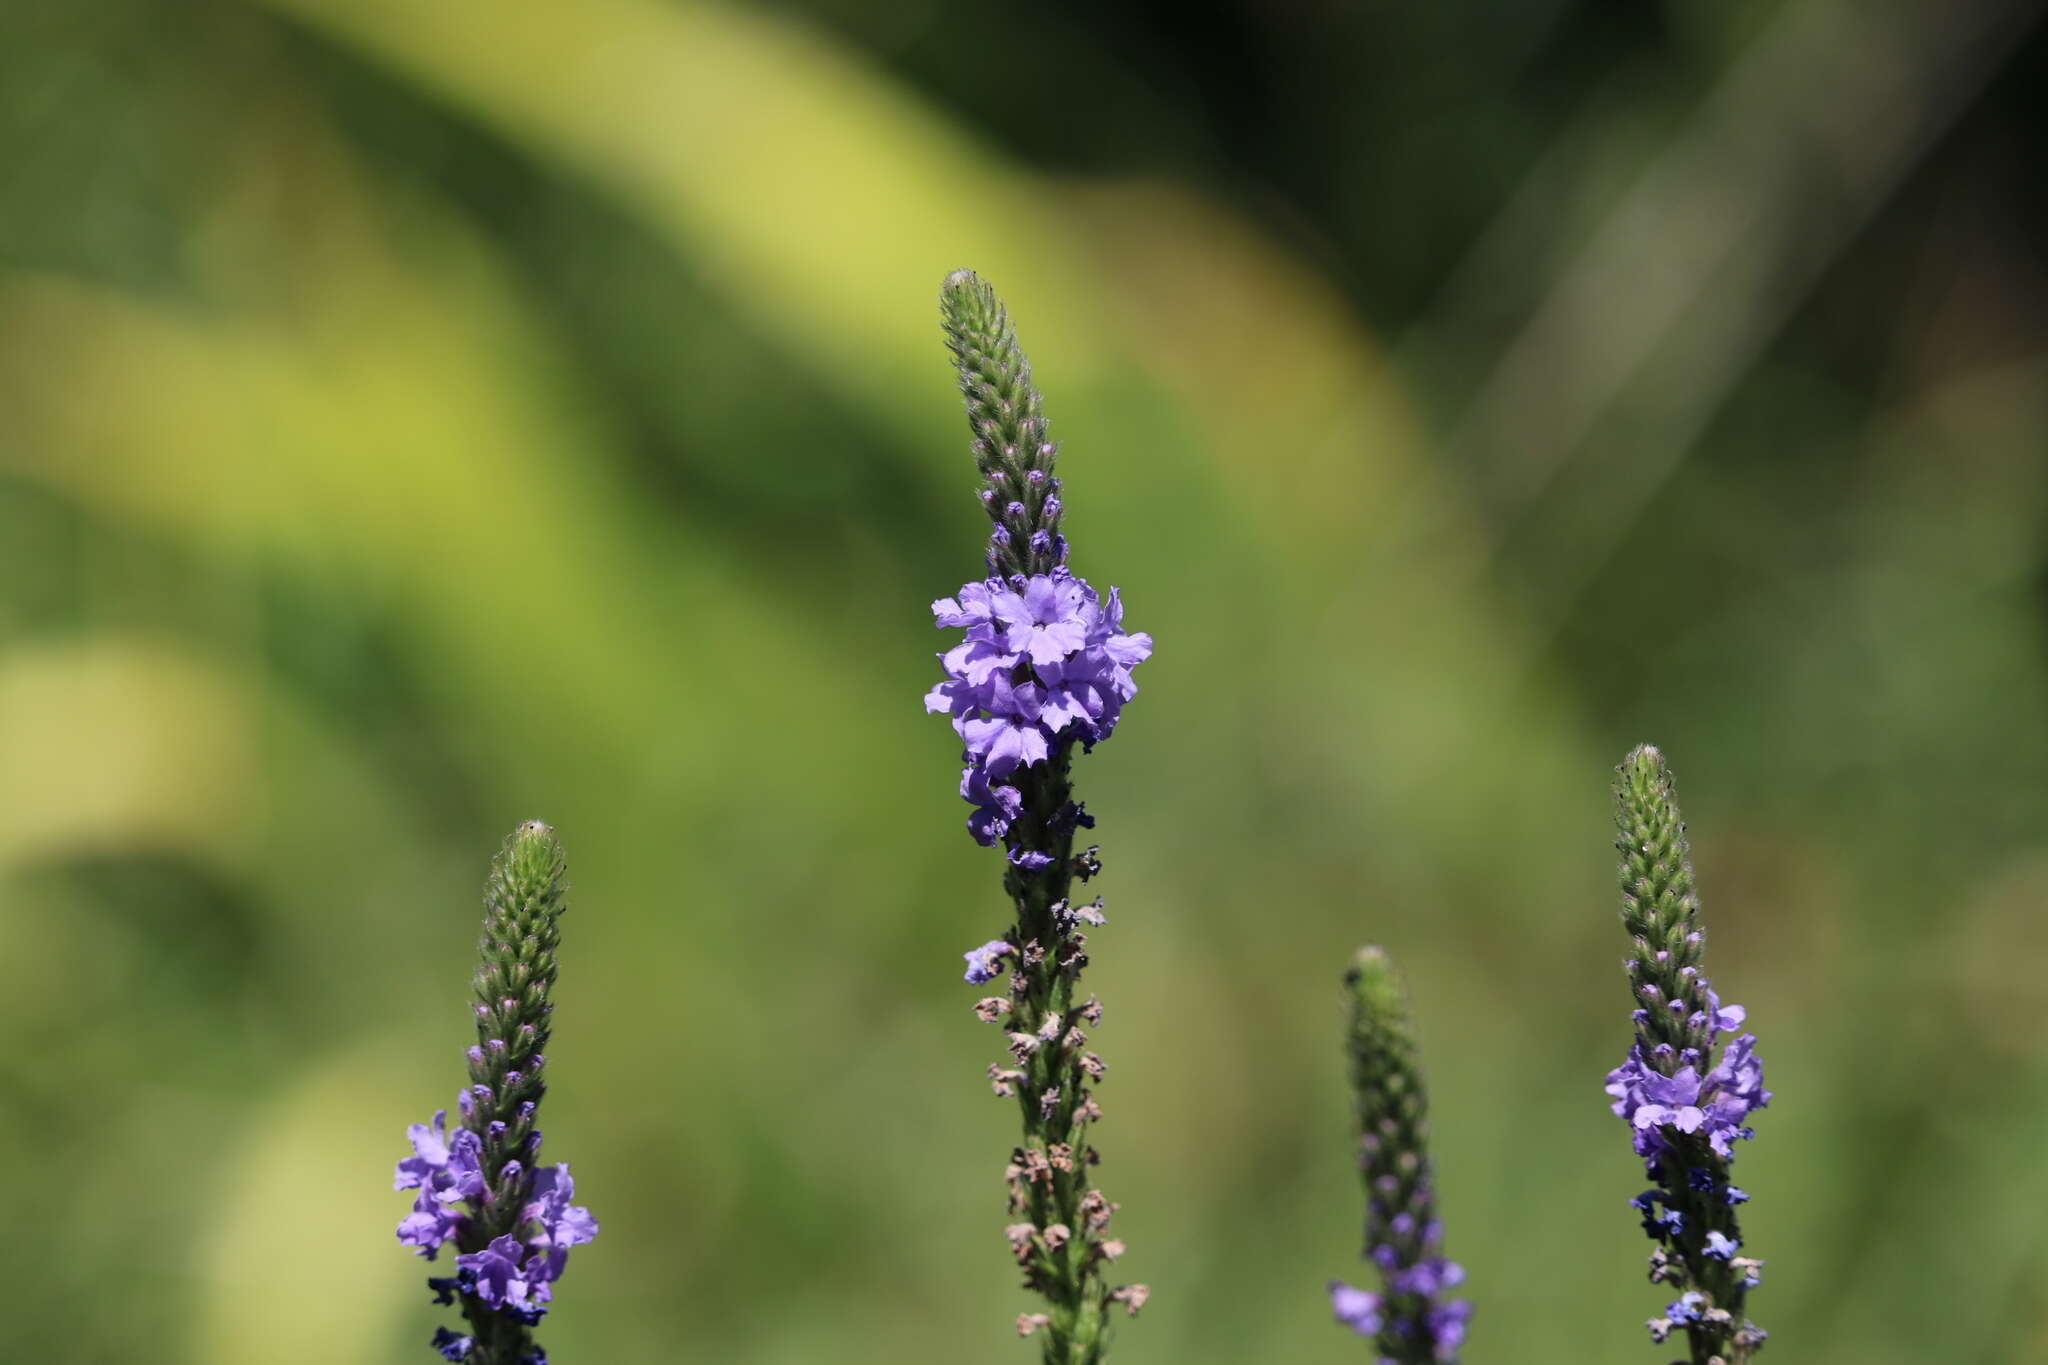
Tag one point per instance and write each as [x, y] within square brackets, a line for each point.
[1722, 1020]
[1714, 1105]
[973, 610]
[507, 1278]
[1670, 1101]
[1050, 619]
[562, 1224]
[445, 1171]
[1446, 1324]
[994, 806]
[558, 1222]
[1010, 736]
[1657, 1225]
[1738, 1080]
[1721, 1247]
[1077, 695]
[985, 963]
[451, 1346]
[1358, 1309]
[430, 1225]
[429, 1153]
[1125, 652]
[1428, 1277]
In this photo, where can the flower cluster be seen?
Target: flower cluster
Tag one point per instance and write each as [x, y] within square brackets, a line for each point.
[1711, 1103]
[1044, 661]
[1438, 1331]
[445, 1171]
[1687, 1123]
[510, 1273]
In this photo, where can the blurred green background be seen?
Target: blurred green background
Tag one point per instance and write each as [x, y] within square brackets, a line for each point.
[415, 418]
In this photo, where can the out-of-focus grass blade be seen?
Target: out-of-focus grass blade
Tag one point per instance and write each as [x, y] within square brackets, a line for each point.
[816, 192]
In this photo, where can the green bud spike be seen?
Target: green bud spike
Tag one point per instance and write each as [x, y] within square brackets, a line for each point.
[1659, 907]
[1012, 448]
[1386, 1086]
[523, 904]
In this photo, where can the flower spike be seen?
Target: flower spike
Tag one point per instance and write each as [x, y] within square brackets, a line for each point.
[1685, 1094]
[1409, 1320]
[1043, 664]
[480, 1187]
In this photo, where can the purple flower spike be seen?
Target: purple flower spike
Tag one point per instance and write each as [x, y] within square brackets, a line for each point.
[480, 1186]
[1411, 1322]
[1690, 1080]
[1041, 667]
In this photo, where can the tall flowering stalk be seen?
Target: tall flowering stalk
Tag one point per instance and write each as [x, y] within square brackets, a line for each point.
[1684, 1094]
[1409, 1321]
[481, 1188]
[1044, 664]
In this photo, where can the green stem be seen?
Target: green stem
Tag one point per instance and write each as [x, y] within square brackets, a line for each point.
[1051, 1185]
